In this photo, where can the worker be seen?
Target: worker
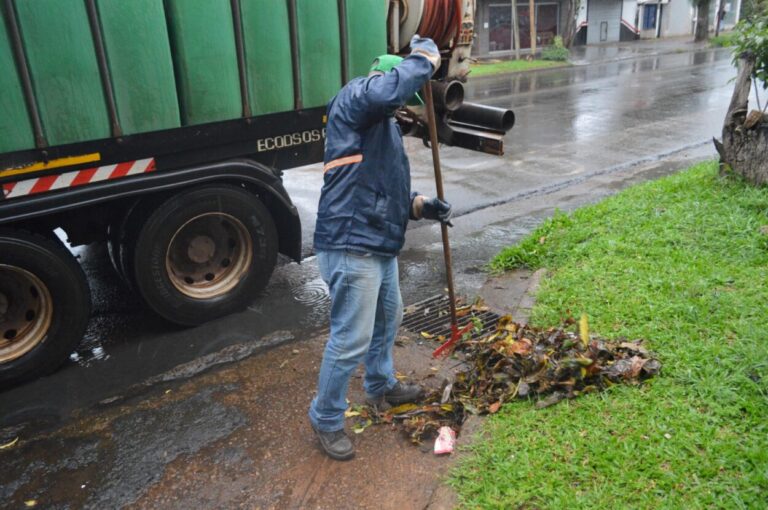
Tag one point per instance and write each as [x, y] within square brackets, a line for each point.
[365, 204]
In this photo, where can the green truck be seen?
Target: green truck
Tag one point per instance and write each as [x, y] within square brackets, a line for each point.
[162, 127]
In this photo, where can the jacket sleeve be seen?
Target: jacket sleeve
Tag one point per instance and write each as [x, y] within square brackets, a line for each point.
[384, 93]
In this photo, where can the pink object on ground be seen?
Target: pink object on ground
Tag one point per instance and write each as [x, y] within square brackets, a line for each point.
[445, 440]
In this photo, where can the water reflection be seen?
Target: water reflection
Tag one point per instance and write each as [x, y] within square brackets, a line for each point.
[499, 88]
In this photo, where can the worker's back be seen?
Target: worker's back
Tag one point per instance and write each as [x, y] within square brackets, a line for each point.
[365, 200]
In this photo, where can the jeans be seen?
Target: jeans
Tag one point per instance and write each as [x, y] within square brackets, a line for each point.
[366, 311]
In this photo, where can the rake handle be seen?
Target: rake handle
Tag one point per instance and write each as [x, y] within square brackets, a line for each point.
[431, 123]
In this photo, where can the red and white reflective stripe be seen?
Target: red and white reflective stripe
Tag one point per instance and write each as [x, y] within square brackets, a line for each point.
[77, 178]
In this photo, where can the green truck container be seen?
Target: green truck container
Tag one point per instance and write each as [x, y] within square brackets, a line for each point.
[65, 74]
[140, 65]
[15, 126]
[366, 40]
[267, 41]
[175, 63]
[203, 40]
[319, 50]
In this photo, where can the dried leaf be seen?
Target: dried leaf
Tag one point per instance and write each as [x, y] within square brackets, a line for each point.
[9, 444]
[427, 335]
[636, 366]
[494, 408]
[635, 347]
[403, 408]
[522, 347]
[360, 427]
[584, 329]
[551, 400]
[463, 312]
[651, 367]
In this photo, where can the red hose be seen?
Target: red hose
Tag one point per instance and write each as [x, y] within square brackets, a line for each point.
[441, 21]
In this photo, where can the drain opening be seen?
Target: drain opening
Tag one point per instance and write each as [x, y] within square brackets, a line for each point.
[433, 316]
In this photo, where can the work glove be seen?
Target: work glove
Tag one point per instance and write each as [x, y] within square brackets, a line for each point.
[426, 47]
[438, 210]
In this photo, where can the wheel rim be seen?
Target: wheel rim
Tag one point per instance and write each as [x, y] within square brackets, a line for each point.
[26, 309]
[209, 255]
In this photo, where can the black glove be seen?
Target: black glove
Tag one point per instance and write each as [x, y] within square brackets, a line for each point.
[436, 209]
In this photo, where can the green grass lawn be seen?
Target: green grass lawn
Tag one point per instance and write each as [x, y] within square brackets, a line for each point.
[511, 66]
[722, 40]
[682, 262]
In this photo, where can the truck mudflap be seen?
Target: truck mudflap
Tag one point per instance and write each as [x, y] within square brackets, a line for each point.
[56, 194]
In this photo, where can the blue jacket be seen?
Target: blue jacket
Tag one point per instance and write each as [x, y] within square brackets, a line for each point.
[366, 197]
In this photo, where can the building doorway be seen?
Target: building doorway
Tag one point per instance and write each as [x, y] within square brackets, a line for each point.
[547, 24]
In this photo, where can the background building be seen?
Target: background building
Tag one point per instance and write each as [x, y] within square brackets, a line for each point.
[597, 21]
[495, 27]
[601, 21]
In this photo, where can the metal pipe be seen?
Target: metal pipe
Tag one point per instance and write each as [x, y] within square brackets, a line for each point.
[344, 40]
[394, 26]
[237, 22]
[430, 107]
[298, 103]
[101, 59]
[448, 96]
[484, 117]
[26, 80]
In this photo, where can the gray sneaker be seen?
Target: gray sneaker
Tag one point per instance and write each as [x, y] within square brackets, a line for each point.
[400, 393]
[336, 444]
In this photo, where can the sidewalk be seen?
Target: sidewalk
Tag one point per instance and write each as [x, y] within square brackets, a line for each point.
[615, 51]
[595, 54]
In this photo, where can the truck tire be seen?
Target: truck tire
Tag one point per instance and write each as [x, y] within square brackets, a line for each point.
[45, 304]
[204, 253]
[113, 249]
[121, 238]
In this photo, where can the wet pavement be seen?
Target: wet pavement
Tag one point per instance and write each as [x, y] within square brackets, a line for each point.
[582, 133]
[233, 438]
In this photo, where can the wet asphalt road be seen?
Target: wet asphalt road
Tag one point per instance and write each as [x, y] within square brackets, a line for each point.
[573, 125]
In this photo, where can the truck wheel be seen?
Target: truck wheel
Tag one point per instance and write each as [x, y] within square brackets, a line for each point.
[120, 246]
[204, 253]
[44, 305]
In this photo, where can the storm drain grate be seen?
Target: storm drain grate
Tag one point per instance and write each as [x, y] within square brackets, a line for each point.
[433, 316]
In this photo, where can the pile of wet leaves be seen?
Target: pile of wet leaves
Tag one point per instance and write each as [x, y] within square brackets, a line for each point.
[519, 361]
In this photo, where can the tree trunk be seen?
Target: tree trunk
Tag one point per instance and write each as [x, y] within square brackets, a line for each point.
[532, 30]
[702, 21]
[718, 6]
[516, 32]
[569, 32]
[744, 148]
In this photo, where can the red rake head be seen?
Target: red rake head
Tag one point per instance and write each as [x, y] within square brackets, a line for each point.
[456, 335]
